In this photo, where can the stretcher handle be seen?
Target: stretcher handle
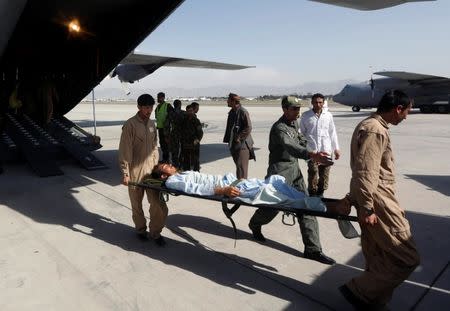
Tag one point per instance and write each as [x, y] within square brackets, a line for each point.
[287, 215]
[228, 213]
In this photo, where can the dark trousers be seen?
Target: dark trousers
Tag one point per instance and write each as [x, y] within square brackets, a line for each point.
[190, 160]
[309, 227]
[318, 176]
[197, 158]
[240, 158]
[164, 146]
[175, 150]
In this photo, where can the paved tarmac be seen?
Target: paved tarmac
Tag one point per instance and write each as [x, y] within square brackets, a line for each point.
[67, 242]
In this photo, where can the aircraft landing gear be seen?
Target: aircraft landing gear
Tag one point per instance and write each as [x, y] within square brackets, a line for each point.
[445, 108]
[355, 108]
[425, 109]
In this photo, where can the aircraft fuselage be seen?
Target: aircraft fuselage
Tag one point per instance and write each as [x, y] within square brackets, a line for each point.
[367, 95]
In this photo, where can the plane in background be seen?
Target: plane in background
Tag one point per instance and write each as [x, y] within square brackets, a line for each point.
[367, 5]
[430, 93]
[53, 53]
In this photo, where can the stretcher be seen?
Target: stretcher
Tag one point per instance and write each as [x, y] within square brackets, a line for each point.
[344, 221]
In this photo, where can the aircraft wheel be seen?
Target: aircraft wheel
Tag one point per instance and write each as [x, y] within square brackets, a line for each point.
[425, 109]
[443, 109]
[355, 108]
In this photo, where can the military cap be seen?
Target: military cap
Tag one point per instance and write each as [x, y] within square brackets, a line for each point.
[290, 101]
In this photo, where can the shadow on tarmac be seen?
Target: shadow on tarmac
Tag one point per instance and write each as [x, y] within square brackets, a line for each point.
[434, 183]
[35, 198]
[210, 226]
[230, 270]
[430, 233]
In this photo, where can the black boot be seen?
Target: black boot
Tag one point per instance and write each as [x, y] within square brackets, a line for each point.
[320, 257]
[257, 234]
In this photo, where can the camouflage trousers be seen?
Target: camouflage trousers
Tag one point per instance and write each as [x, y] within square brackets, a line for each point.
[164, 146]
[318, 176]
[190, 158]
[175, 150]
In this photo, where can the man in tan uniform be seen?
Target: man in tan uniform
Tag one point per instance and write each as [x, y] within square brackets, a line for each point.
[389, 250]
[138, 154]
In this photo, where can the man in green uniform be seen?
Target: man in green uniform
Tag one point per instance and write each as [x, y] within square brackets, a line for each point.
[388, 247]
[196, 108]
[286, 146]
[162, 111]
[173, 128]
[191, 136]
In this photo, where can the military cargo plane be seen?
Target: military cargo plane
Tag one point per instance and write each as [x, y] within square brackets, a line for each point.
[430, 93]
[367, 5]
[54, 52]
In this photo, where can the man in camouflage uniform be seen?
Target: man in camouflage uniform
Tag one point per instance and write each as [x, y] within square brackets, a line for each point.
[173, 129]
[286, 146]
[387, 244]
[196, 108]
[191, 136]
[162, 111]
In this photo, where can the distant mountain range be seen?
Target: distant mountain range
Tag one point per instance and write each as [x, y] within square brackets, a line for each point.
[327, 88]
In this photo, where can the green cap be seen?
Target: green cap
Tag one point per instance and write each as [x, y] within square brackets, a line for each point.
[290, 101]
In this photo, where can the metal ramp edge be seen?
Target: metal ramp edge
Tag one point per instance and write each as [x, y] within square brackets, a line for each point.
[41, 161]
[84, 156]
[74, 145]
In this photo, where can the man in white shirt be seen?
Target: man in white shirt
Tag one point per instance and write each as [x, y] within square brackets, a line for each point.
[317, 126]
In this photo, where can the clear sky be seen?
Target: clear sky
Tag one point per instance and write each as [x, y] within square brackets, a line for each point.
[297, 41]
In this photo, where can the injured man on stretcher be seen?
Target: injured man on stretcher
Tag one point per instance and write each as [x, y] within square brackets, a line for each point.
[272, 190]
